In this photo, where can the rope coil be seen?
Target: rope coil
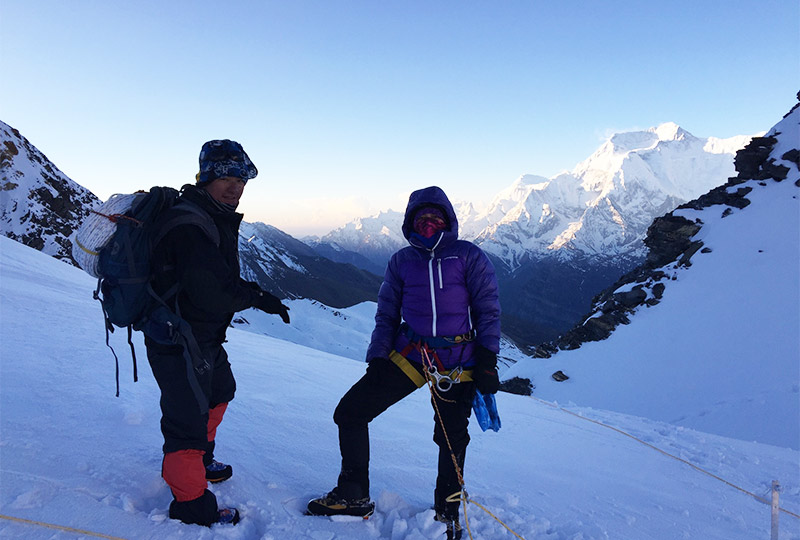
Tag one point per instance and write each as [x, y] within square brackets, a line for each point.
[98, 228]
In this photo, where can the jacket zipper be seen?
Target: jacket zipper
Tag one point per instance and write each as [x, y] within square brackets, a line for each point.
[432, 284]
[433, 294]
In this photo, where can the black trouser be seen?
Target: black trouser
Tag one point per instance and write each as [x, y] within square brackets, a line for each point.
[382, 386]
[183, 425]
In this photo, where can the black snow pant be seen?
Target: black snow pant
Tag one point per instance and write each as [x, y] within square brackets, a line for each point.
[186, 428]
[182, 424]
[382, 386]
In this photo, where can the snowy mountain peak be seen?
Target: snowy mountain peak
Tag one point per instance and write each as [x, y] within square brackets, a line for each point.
[631, 141]
[602, 208]
[670, 131]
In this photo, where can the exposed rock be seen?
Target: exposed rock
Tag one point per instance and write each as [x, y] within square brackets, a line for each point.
[559, 376]
[545, 350]
[631, 298]
[658, 290]
[687, 255]
[517, 385]
[667, 238]
[750, 159]
[793, 156]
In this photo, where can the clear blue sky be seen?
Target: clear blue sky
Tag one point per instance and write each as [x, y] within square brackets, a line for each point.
[347, 106]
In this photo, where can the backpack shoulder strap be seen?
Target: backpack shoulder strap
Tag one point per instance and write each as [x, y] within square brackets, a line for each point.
[191, 215]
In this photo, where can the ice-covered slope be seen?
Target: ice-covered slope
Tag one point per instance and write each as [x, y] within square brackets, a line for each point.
[72, 455]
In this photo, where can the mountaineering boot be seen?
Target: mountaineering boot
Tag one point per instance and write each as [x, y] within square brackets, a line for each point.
[218, 472]
[453, 526]
[334, 504]
[203, 511]
[447, 513]
[228, 516]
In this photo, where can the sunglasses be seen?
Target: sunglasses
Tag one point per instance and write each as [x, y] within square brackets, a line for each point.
[432, 218]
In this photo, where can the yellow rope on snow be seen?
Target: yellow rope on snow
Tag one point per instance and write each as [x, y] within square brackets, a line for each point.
[457, 496]
[690, 464]
[461, 496]
[59, 527]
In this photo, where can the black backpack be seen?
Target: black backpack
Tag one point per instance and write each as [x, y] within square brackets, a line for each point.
[123, 266]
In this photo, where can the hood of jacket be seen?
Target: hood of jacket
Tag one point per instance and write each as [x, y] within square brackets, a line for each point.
[430, 196]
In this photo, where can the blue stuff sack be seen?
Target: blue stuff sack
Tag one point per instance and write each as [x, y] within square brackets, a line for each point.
[485, 408]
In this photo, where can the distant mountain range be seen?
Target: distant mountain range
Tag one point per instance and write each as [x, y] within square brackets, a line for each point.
[557, 242]
[602, 208]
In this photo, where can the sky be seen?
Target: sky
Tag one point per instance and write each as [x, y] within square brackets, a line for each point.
[346, 107]
[75, 456]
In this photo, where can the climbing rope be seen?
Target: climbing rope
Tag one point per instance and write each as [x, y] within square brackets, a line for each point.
[458, 496]
[59, 527]
[463, 497]
[690, 464]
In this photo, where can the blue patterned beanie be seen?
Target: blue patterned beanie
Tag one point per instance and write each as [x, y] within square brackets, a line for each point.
[221, 158]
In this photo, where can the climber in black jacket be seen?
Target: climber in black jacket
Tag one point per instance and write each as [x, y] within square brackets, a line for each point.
[201, 264]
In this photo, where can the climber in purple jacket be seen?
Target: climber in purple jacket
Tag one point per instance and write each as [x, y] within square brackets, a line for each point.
[438, 321]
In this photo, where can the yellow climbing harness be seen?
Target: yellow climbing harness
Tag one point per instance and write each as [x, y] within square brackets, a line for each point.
[444, 379]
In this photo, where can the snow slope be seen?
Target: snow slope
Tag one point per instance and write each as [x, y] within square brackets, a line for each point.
[73, 455]
[721, 351]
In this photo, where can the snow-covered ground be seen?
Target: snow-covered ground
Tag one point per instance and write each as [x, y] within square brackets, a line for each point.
[73, 455]
[721, 352]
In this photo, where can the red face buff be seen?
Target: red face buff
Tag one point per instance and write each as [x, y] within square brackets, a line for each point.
[428, 222]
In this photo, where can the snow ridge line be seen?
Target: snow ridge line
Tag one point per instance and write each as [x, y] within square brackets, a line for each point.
[59, 527]
[692, 465]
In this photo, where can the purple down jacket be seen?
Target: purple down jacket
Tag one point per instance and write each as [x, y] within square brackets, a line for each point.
[444, 291]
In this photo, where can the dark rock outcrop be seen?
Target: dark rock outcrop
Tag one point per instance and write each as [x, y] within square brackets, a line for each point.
[517, 385]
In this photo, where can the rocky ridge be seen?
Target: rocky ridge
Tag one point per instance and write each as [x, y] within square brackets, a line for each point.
[671, 240]
[39, 205]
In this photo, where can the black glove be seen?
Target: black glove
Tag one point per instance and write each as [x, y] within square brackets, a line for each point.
[485, 371]
[271, 304]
